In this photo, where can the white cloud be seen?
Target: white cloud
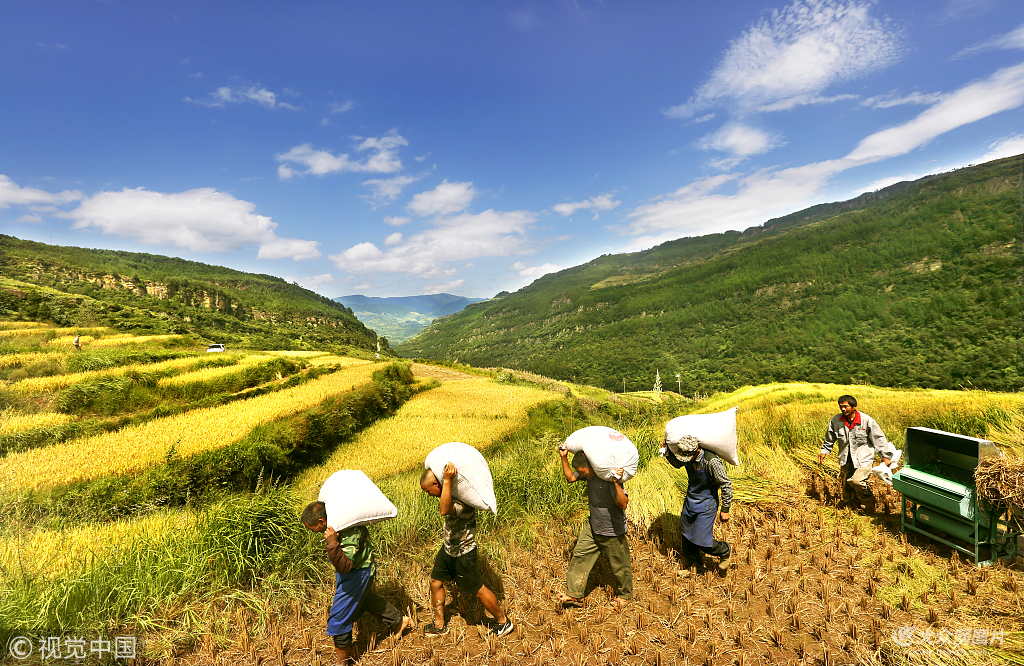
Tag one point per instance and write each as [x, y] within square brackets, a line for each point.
[314, 282]
[443, 288]
[393, 239]
[396, 221]
[740, 141]
[1002, 91]
[804, 100]
[13, 195]
[457, 238]
[598, 203]
[892, 99]
[386, 190]
[522, 19]
[282, 248]
[421, 157]
[201, 220]
[342, 107]
[445, 199]
[800, 50]
[703, 206]
[31, 218]
[227, 95]
[305, 159]
[1011, 40]
[1005, 147]
[325, 121]
[534, 272]
[703, 119]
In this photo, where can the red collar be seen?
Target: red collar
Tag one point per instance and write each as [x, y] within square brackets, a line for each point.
[855, 421]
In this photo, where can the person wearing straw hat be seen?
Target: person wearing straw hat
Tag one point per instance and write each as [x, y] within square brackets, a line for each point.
[708, 493]
[859, 437]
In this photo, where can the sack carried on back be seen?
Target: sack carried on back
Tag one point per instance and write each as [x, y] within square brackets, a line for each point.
[352, 499]
[607, 449]
[715, 432]
[472, 484]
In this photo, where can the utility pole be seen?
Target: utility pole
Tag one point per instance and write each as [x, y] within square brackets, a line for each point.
[679, 383]
[623, 384]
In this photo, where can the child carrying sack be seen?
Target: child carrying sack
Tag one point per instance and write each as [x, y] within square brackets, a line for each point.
[606, 449]
[352, 499]
[472, 483]
[715, 432]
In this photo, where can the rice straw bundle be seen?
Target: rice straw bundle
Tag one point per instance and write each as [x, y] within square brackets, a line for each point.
[1000, 481]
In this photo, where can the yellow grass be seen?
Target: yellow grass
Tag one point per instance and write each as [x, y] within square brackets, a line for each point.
[115, 340]
[299, 354]
[475, 411]
[46, 552]
[24, 358]
[206, 374]
[137, 447]
[11, 325]
[12, 421]
[15, 332]
[36, 385]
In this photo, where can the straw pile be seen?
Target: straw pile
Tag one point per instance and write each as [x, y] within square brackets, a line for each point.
[1000, 481]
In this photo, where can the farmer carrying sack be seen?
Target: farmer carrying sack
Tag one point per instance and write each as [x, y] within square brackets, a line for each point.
[606, 449]
[352, 500]
[715, 432]
[472, 484]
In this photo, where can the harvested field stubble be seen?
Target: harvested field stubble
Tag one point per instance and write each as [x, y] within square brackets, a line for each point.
[778, 610]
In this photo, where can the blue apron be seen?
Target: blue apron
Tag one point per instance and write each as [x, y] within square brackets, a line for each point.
[697, 519]
[348, 592]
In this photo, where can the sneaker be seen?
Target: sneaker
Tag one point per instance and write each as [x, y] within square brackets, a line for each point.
[434, 630]
[502, 629]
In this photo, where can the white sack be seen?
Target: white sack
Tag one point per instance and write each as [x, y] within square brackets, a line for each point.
[607, 449]
[883, 471]
[352, 499]
[715, 432]
[472, 484]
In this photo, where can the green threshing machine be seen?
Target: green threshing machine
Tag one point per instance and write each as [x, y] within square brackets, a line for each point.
[940, 500]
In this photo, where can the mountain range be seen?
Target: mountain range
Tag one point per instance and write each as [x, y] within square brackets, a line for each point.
[916, 284]
[399, 318]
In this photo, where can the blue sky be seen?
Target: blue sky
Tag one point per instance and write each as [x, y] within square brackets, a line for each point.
[396, 148]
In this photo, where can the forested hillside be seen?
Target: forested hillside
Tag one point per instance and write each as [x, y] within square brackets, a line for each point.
[140, 292]
[915, 285]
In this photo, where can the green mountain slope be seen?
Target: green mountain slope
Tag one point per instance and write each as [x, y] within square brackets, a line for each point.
[401, 317]
[915, 285]
[152, 293]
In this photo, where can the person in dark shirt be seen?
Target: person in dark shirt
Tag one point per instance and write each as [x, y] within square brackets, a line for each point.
[706, 478]
[457, 561]
[604, 532]
[352, 556]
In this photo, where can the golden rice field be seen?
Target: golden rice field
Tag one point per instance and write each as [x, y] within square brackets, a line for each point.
[12, 421]
[11, 325]
[138, 447]
[47, 552]
[207, 374]
[24, 358]
[15, 332]
[109, 340]
[476, 411]
[35, 385]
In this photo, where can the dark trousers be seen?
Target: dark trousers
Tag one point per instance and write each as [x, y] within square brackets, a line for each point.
[719, 549]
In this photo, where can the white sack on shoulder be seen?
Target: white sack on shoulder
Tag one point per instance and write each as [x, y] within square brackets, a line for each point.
[352, 499]
[607, 450]
[473, 484]
[715, 432]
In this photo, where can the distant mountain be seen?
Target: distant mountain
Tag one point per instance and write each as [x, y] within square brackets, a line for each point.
[399, 318]
[146, 292]
[917, 284]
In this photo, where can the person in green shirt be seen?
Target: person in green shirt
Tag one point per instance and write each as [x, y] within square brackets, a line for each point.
[352, 556]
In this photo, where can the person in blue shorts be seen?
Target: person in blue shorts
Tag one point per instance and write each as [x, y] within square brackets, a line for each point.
[352, 556]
